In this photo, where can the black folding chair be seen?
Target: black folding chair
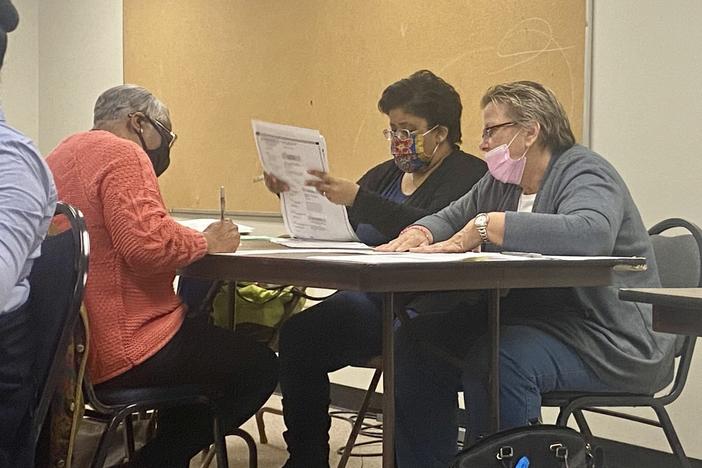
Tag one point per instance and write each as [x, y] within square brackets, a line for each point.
[57, 281]
[679, 260]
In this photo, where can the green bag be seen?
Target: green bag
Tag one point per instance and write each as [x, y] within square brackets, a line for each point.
[260, 309]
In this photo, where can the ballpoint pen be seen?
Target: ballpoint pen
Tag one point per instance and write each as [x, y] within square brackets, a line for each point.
[222, 202]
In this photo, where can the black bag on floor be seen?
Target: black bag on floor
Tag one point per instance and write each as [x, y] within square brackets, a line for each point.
[541, 446]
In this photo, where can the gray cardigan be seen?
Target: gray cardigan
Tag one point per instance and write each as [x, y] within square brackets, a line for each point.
[583, 207]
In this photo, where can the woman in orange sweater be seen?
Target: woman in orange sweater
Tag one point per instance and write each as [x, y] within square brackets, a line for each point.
[140, 335]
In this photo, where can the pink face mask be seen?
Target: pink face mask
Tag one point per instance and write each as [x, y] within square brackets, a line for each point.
[503, 167]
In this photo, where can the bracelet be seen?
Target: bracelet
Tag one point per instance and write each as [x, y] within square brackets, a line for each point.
[427, 233]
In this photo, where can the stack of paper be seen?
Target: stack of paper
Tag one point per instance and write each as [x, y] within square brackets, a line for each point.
[288, 153]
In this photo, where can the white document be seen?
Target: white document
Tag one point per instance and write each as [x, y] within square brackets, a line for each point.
[412, 257]
[288, 153]
[284, 252]
[200, 224]
[319, 244]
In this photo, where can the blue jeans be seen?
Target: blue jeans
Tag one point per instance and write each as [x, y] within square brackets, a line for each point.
[532, 362]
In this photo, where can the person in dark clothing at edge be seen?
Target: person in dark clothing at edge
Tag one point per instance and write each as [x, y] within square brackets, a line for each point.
[428, 171]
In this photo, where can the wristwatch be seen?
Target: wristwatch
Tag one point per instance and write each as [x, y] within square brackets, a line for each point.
[481, 222]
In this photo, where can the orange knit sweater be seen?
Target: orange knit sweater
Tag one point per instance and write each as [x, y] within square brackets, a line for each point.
[135, 249]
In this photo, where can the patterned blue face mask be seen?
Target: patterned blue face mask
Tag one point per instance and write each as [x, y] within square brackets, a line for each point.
[407, 150]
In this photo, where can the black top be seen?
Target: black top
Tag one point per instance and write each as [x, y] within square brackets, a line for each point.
[452, 179]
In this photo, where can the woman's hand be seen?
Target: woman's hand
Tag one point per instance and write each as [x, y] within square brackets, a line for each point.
[463, 241]
[336, 190]
[222, 236]
[409, 239]
[274, 184]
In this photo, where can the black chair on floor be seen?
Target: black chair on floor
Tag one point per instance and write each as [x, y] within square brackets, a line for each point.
[359, 426]
[57, 281]
[679, 260]
[119, 406]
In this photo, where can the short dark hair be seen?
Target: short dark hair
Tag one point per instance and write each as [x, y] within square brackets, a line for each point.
[427, 96]
[8, 22]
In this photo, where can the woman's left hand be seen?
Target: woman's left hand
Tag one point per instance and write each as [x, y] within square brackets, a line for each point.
[460, 242]
[336, 190]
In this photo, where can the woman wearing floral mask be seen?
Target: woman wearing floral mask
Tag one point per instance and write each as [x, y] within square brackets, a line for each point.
[544, 194]
[427, 172]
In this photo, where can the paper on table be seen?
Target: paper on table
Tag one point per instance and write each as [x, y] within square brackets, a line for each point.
[200, 224]
[319, 244]
[288, 152]
[269, 252]
[412, 257]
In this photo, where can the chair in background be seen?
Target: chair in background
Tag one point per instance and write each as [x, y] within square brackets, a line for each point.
[359, 427]
[679, 260]
[57, 281]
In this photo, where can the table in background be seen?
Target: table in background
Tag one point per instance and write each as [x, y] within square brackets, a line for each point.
[391, 279]
[675, 310]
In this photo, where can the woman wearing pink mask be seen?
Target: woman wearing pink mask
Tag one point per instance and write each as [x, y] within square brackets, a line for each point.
[544, 194]
[428, 171]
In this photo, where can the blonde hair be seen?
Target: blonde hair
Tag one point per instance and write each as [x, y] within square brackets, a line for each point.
[527, 101]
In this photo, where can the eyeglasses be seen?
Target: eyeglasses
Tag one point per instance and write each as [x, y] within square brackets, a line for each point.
[168, 134]
[403, 134]
[487, 131]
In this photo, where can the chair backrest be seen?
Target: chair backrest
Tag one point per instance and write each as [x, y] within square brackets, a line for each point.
[679, 257]
[679, 261]
[57, 281]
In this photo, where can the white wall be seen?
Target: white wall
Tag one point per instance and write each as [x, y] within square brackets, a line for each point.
[646, 120]
[647, 101]
[80, 55]
[61, 57]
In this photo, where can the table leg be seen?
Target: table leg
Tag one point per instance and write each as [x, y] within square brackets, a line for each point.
[388, 381]
[494, 346]
[231, 304]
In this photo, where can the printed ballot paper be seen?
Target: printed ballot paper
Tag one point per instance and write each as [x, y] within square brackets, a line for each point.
[288, 153]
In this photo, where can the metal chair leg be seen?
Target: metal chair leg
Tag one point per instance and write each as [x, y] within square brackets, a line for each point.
[359, 419]
[563, 416]
[582, 424]
[208, 456]
[672, 436]
[100, 454]
[220, 443]
[261, 426]
[129, 437]
[253, 451]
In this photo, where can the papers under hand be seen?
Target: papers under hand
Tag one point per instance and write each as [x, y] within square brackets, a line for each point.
[412, 257]
[319, 244]
[288, 153]
[200, 224]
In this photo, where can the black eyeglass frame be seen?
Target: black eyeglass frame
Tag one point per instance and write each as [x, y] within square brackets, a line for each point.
[159, 126]
[171, 133]
[487, 131]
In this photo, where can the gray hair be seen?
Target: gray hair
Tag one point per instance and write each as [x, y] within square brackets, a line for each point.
[118, 102]
[528, 101]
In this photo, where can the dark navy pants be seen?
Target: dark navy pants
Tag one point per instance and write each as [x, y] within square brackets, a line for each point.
[17, 389]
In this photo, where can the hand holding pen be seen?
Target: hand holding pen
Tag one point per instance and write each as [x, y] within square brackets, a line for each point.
[223, 235]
